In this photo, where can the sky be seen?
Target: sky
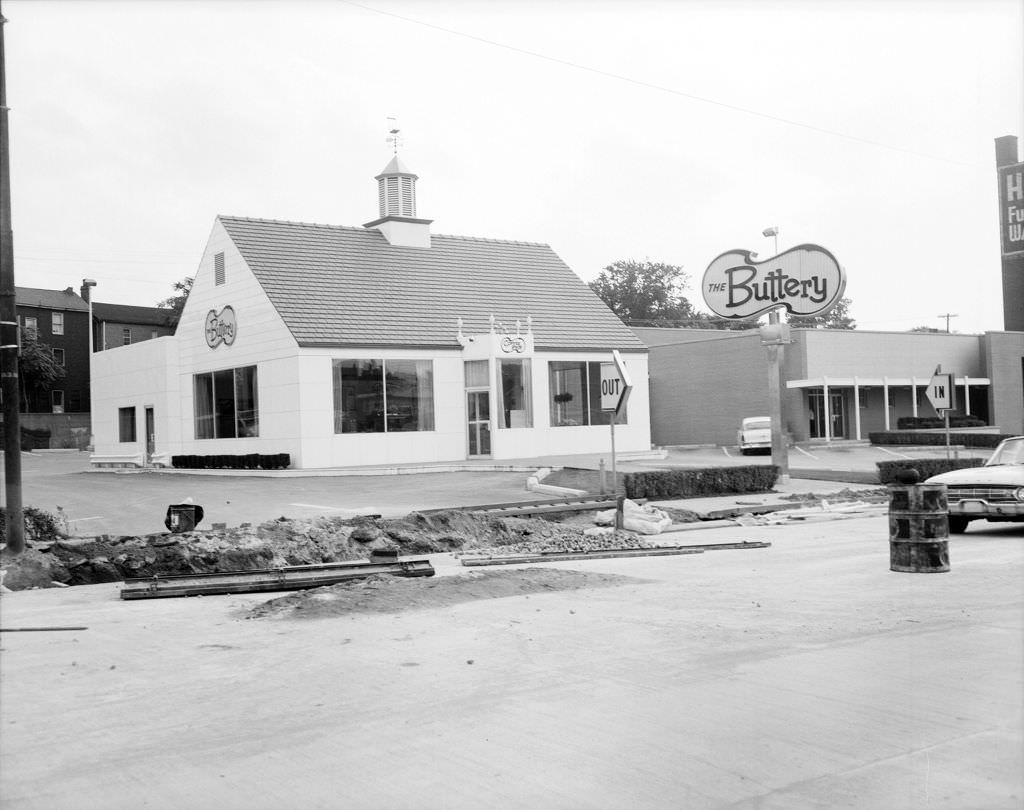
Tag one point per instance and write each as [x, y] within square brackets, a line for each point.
[669, 131]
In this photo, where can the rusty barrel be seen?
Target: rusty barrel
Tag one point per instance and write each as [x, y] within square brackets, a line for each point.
[918, 529]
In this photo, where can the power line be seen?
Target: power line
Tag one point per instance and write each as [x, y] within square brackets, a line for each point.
[661, 88]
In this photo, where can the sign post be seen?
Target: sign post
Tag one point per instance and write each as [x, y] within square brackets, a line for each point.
[615, 389]
[806, 280]
[941, 393]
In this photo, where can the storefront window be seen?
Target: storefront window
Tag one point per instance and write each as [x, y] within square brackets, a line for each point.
[514, 393]
[226, 405]
[383, 396]
[575, 387]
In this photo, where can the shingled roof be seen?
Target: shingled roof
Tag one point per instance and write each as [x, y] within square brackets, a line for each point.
[49, 299]
[344, 286]
[127, 313]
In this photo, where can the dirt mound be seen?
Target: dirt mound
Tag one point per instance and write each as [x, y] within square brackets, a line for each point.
[382, 593]
[279, 543]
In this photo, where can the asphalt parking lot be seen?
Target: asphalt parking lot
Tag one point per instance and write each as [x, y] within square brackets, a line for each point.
[135, 502]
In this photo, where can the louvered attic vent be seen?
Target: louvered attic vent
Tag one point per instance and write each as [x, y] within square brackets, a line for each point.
[218, 268]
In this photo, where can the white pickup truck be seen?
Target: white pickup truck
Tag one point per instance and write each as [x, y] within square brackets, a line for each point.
[755, 433]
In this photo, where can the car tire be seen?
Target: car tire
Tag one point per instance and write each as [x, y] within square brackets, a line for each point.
[958, 524]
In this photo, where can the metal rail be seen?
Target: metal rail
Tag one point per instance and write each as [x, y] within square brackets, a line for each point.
[560, 556]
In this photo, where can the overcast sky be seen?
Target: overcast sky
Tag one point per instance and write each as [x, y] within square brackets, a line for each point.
[670, 131]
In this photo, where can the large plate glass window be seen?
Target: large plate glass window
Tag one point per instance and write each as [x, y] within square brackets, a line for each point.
[226, 404]
[383, 396]
[575, 394]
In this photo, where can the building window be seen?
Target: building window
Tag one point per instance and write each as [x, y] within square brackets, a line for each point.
[57, 401]
[218, 268]
[153, 334]
[126, 424]
[31, 325]
[226, 404]
[58, 355]
[383, 396]
[74, 401]
[126, 337]
[576, 394]
[57, 323]
[514, 394]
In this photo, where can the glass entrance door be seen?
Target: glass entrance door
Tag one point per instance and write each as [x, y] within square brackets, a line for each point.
[478, 416]
[150, 435]
[836, 415]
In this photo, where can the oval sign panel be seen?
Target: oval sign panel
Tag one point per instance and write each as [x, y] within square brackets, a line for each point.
[805, 280]
[221, 327]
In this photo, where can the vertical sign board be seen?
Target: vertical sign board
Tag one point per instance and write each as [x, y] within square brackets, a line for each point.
[1011, 208]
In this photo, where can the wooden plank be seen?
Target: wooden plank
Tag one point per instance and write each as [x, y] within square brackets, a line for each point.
[291, 578]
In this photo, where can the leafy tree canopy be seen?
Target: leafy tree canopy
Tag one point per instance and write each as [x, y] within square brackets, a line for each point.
[176, 302]
[37, 367]
[644, 291]
[926, 329]
[836, 318]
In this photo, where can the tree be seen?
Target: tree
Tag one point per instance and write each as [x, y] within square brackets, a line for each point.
[176, 303]
[37, 367]
[644, 291]
[836, 318]
[926, 329]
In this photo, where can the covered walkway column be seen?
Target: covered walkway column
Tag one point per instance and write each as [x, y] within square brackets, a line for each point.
[856, 407]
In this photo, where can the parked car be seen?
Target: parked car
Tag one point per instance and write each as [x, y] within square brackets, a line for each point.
[755, 433]
[992, 492]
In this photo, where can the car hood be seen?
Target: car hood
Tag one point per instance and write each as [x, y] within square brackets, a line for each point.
[998, 475]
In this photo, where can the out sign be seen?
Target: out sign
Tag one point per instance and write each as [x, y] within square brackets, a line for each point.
[615, 384]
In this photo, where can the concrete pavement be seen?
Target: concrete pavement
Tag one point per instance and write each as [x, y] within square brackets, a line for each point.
[805, 675]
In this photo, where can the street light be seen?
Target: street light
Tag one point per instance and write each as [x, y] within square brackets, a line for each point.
[87, 285]
[772, 231]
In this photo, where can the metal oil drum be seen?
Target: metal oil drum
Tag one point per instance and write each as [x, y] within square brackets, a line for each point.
[918, 529]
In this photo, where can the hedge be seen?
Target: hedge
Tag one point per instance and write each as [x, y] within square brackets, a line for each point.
[926, 467]
[662, 484]
[249, 461]
[923, 422]
[897, 437]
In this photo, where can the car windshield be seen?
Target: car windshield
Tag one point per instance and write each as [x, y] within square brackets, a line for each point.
[1009, 452]
[757, 424]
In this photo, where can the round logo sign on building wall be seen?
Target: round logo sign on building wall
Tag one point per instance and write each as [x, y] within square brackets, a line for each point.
[805, 280]
[221, 327]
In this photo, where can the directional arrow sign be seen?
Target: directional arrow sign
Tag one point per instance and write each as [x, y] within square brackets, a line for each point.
[615, 385]
[940, 392]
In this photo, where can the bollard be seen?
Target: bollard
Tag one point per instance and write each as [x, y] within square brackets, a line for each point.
[918, 528]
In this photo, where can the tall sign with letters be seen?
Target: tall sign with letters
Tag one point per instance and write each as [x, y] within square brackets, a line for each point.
[1010, 178]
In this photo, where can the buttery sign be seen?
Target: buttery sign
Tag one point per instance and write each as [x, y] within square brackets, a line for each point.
[805, 280]
[1011, 208]
[221, 327]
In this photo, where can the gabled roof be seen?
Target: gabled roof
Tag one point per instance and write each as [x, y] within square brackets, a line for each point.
[49, 299]
[337, 286]
[126, 313]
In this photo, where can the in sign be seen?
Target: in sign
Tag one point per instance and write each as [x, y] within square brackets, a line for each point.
[940, 392]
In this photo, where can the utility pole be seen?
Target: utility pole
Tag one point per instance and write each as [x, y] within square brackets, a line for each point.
[947, 316]
[9, 383]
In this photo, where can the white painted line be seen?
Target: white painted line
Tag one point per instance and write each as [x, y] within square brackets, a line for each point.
[79, 520]
[809, 455]
[891, 453]
[727, 453]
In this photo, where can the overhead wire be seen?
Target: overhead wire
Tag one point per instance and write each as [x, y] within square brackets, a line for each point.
[660, 88]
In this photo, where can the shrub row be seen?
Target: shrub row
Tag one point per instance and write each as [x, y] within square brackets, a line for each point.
[926, 467]
[928, 439]
[663, 484]
[40, 525]
[249, 461]
[924, 422]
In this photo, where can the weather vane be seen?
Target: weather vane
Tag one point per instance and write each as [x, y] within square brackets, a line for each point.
[393, 137]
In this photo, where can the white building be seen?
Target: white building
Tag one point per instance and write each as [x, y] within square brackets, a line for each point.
[384, 344]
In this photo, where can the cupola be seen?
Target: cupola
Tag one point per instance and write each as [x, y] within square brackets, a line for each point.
[396, 197]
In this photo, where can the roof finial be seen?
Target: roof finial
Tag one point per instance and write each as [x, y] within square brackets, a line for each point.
[393, 131]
